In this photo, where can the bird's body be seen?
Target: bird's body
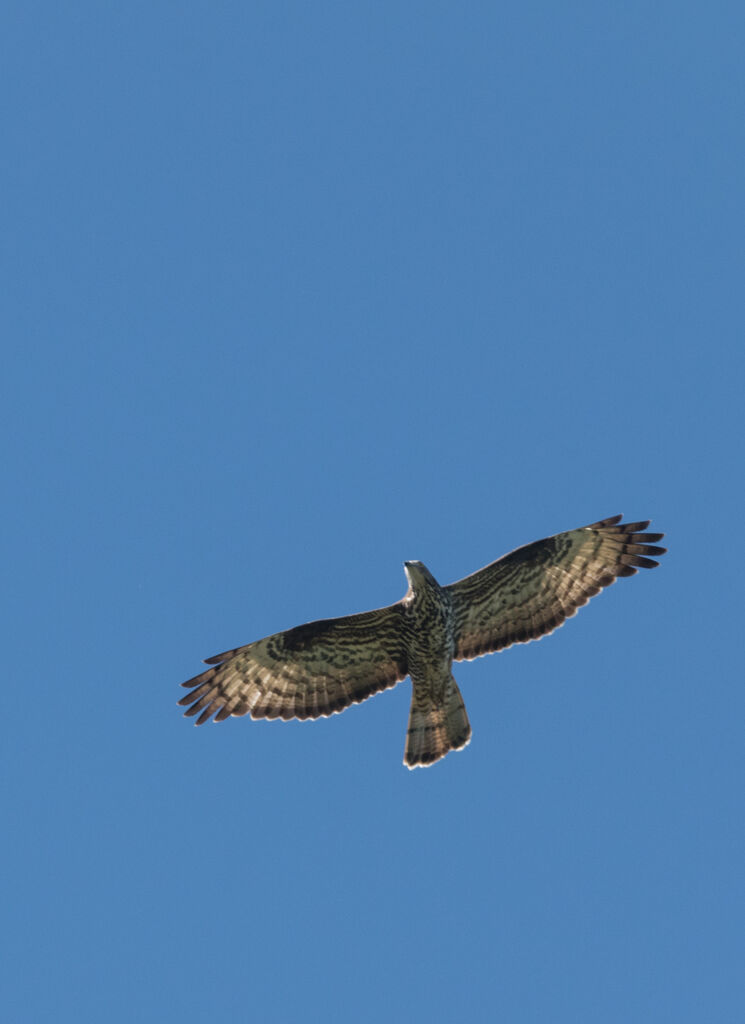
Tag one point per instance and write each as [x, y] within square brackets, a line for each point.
[437, 720]
[322, 667]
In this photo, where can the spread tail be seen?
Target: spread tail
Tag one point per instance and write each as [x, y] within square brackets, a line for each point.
[436, 728]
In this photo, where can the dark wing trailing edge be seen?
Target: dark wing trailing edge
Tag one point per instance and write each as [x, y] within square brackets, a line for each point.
[310, 671]
[534, 589]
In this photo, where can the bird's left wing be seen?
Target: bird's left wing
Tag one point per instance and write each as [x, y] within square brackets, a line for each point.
[310, 671]
[531, 591]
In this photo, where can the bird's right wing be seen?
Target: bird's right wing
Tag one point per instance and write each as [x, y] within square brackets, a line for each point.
[531, 591]
[310, 671]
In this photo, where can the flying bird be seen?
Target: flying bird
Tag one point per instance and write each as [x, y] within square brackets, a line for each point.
[321, 668]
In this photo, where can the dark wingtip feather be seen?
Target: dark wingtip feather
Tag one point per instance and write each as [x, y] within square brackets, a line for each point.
[640, 561]
[636, 527]
[610, 521]
[626, 570]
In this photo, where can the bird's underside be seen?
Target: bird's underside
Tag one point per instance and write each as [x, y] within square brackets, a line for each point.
[323, 667]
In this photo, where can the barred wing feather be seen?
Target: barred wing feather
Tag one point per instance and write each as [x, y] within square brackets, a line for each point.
[310, 671]
[534, 589]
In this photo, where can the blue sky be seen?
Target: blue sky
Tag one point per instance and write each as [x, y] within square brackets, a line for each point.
[294, 292]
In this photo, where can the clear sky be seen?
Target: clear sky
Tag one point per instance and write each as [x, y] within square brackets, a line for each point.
[293, 292]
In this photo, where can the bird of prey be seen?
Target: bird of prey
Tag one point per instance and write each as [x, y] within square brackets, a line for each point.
[323, 667]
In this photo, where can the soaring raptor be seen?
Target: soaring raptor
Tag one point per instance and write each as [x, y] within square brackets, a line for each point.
[320, 668]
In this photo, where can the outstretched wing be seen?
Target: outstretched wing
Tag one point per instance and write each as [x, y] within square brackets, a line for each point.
[531, 591]
[310, 671]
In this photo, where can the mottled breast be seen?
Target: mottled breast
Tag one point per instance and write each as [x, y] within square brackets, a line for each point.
[430, 631]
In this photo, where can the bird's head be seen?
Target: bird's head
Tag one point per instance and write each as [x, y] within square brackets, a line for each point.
[419, 576]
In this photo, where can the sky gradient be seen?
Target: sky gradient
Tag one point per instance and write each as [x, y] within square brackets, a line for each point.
[296, 292]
